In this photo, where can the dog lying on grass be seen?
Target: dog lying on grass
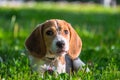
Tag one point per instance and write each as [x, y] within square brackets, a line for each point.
[54, 46]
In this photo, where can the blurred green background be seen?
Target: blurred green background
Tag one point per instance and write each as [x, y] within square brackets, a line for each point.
[98, 27]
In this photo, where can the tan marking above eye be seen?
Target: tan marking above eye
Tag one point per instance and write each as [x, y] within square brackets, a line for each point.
[50, 31]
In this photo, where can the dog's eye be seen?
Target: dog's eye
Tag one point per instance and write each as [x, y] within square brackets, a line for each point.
[66, 31]
[49, 32]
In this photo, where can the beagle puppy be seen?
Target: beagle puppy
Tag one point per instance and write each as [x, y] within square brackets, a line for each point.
[54, 45]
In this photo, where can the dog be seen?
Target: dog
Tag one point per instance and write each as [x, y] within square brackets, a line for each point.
[54, 45]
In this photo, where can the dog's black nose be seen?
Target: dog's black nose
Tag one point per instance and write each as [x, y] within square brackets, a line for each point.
[60, 44]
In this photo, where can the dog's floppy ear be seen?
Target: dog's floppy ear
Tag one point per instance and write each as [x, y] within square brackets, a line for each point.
[75, 43]
[35, 42]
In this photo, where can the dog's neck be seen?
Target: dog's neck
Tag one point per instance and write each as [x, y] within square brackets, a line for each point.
[61, 64]
[53, 58]
[61, 59]
[58, 62]
[40, 65]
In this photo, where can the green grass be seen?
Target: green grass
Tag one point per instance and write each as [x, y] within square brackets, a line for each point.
[98, 27]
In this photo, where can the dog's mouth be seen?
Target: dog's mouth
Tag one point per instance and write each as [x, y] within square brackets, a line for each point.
[61, 51]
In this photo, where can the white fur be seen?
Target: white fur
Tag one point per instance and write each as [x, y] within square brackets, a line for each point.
[54, 47]
[61, 68]
[56, 25]
[40, 66]
[36, 64]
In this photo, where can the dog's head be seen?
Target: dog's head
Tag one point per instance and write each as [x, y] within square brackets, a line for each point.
[54, 38]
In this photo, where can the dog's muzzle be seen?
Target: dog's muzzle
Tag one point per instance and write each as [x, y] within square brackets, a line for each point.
[60, 44]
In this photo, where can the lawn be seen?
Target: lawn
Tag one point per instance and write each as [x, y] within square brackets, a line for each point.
[98, 27]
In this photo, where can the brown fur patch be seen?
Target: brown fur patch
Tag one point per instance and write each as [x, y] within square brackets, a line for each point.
[35, 43]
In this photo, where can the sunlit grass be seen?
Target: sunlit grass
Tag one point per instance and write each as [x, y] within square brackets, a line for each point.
[98, 27]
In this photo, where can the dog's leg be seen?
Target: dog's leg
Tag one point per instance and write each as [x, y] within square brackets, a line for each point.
[69, 64]
[74, 65]
[78, 64]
